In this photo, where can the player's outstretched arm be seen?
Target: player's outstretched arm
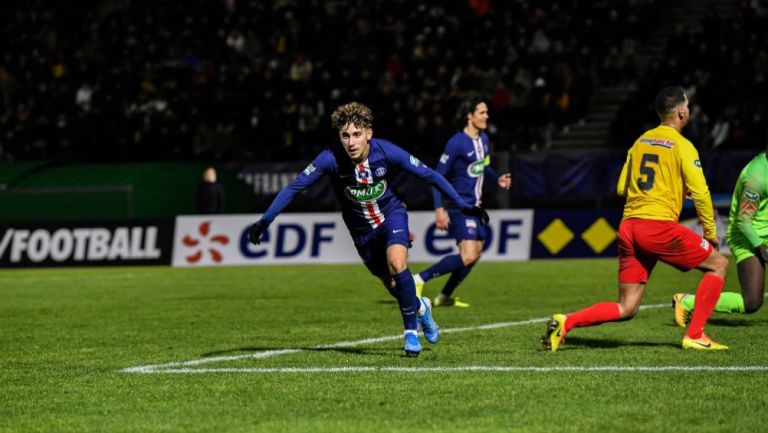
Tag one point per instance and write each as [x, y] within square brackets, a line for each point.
[303, 181]
[256, 230]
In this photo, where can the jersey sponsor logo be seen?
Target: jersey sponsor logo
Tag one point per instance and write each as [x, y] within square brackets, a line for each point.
[363, 193]
[381, 171]
[697, 163]
[414, 161]
[751, 195]
[310, 168]
[444, 158]
[476, 169]
[667, 144]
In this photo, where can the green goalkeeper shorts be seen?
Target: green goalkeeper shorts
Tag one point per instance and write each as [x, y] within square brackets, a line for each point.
[740, 247]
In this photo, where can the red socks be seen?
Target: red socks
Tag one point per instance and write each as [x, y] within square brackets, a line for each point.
[707, 295]
[597, 314]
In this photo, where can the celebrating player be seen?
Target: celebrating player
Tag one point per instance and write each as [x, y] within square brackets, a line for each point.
[359, 171]
[660, 167]
[747, 237]
[465, 162]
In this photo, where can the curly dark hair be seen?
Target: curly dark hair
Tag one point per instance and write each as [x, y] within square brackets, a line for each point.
[354, 113]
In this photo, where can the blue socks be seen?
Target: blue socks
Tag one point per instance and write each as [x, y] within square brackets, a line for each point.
[405, 293]
[446, 265]
[455, 279]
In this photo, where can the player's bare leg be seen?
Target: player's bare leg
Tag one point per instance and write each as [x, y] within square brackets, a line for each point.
[752, 280]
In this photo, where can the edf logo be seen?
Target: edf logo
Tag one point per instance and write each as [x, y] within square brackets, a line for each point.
[289, 240]
[440, 243]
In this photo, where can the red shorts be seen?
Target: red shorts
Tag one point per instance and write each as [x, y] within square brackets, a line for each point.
[642, 242]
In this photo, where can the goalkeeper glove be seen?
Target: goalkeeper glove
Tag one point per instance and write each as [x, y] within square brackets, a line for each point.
[256, 230]
[762, 252]
[478, 213]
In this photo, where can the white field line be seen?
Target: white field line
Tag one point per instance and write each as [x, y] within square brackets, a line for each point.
[166, 368]
[469, 368]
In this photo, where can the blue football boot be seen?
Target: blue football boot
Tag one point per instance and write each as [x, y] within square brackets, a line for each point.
[412, 345]
[428, 324]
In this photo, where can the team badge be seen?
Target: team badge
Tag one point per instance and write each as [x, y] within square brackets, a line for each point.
[751, 195]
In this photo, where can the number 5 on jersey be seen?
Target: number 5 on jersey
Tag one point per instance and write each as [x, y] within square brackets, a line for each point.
[646, 184]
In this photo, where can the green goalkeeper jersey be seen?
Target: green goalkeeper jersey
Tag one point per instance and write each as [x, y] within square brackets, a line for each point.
[748, 216]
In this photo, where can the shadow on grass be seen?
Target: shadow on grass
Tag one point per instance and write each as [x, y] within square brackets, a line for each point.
[606, 344]
[377, 351]
[386, 301]
[733, 322]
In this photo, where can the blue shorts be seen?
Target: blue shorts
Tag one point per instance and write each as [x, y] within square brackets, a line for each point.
[372, 246]
[463, 227]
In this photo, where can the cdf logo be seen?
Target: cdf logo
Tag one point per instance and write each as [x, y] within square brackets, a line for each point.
[202, 243]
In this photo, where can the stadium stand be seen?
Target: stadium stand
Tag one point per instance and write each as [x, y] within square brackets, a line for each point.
[132, 80]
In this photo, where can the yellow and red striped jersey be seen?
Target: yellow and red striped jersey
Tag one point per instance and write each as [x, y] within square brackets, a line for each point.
[662, 167]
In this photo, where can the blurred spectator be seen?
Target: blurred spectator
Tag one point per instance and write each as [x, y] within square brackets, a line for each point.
[722, 62]
[210, 194]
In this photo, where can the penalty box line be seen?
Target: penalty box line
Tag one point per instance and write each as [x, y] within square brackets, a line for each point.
[182, 367]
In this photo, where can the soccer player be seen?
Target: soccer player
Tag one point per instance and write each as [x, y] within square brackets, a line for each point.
[465, 162]
[660, 167]
[747, 237]
[359, 171]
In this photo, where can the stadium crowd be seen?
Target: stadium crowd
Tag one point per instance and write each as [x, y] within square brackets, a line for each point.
[722, 62]
[128, 80]
[235, 80]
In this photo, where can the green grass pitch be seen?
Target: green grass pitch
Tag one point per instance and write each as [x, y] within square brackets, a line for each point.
[212, 351]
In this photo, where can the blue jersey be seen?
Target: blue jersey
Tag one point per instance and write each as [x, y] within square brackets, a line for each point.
[465, 162]
[363, 189]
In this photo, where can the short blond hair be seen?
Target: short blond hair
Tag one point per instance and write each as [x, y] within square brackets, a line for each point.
[354, 113]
